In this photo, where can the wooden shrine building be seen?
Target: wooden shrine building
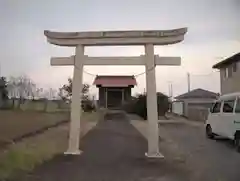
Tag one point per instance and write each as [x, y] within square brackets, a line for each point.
[114, 90]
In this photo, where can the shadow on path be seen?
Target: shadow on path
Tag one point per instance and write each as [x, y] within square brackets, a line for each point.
[113, 150]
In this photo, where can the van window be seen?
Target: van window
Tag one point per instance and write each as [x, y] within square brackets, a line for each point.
[216, 107]
[228, 106]
[237, 109]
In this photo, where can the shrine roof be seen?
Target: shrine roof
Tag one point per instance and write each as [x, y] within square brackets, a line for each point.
[115, 81]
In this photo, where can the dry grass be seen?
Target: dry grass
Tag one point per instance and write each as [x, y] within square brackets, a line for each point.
[16, 123]
[25, 155]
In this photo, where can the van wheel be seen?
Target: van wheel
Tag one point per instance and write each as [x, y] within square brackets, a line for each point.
[209, 132]
[237, 143]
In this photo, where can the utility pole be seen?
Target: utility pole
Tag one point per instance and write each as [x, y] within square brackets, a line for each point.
[188, 82]
[170, 91]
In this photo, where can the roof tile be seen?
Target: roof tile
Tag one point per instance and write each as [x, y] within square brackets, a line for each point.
[115, 81]
[198, 93]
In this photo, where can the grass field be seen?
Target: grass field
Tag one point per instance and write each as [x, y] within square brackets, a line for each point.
[14, 124]
[17, 123]
[25, 155]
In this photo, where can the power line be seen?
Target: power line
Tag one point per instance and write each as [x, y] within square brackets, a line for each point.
[189, 78]
[86, 72]
[170, 89]
[188, 82]
[136, 75]
[204, 74]
[142, 73]
[154, 66]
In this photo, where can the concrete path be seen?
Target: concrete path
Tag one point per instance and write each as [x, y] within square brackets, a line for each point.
[113, 150]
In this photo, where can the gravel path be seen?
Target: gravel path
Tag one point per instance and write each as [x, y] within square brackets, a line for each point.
[185, 141]
[207, 159]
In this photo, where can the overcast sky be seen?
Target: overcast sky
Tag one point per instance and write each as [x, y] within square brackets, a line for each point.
[212, 35]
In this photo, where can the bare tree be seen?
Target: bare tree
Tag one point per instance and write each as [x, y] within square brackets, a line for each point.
[52, 93]
[3, 86]
[49, 93]
[21, 87]
[65, 92]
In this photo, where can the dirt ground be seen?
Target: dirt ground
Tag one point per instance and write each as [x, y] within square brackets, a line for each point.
[14, 124]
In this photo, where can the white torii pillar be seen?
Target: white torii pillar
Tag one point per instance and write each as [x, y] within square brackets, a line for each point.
[152, 112]
[76, 108]
[146, 38]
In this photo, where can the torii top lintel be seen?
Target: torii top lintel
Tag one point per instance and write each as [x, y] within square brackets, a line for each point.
[101, 38]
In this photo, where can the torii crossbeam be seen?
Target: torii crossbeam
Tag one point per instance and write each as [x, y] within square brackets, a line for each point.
[133, 60]
[146, 38]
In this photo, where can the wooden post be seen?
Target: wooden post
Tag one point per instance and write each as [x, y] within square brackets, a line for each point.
[106, 98]
[123, 99]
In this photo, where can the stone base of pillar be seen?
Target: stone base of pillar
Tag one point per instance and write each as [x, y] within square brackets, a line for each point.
[76, 152]
[154, 155]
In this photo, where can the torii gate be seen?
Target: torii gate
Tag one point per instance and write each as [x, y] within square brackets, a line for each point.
[108, 38]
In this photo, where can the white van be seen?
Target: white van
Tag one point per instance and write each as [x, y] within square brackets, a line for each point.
[224, 118]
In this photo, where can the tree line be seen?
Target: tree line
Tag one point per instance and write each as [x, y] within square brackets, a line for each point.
[23, 87]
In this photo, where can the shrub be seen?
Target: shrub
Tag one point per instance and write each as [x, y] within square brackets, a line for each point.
[88, 105]
[138, 105]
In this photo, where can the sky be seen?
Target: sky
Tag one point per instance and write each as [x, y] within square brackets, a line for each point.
[211, 37]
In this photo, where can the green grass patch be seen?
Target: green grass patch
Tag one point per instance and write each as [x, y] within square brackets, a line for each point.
[15, 161]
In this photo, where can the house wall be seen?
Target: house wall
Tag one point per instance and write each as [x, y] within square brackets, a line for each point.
[177, 107]
[230, 84]
[203, 102]
[197, 109]
[198, 113]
